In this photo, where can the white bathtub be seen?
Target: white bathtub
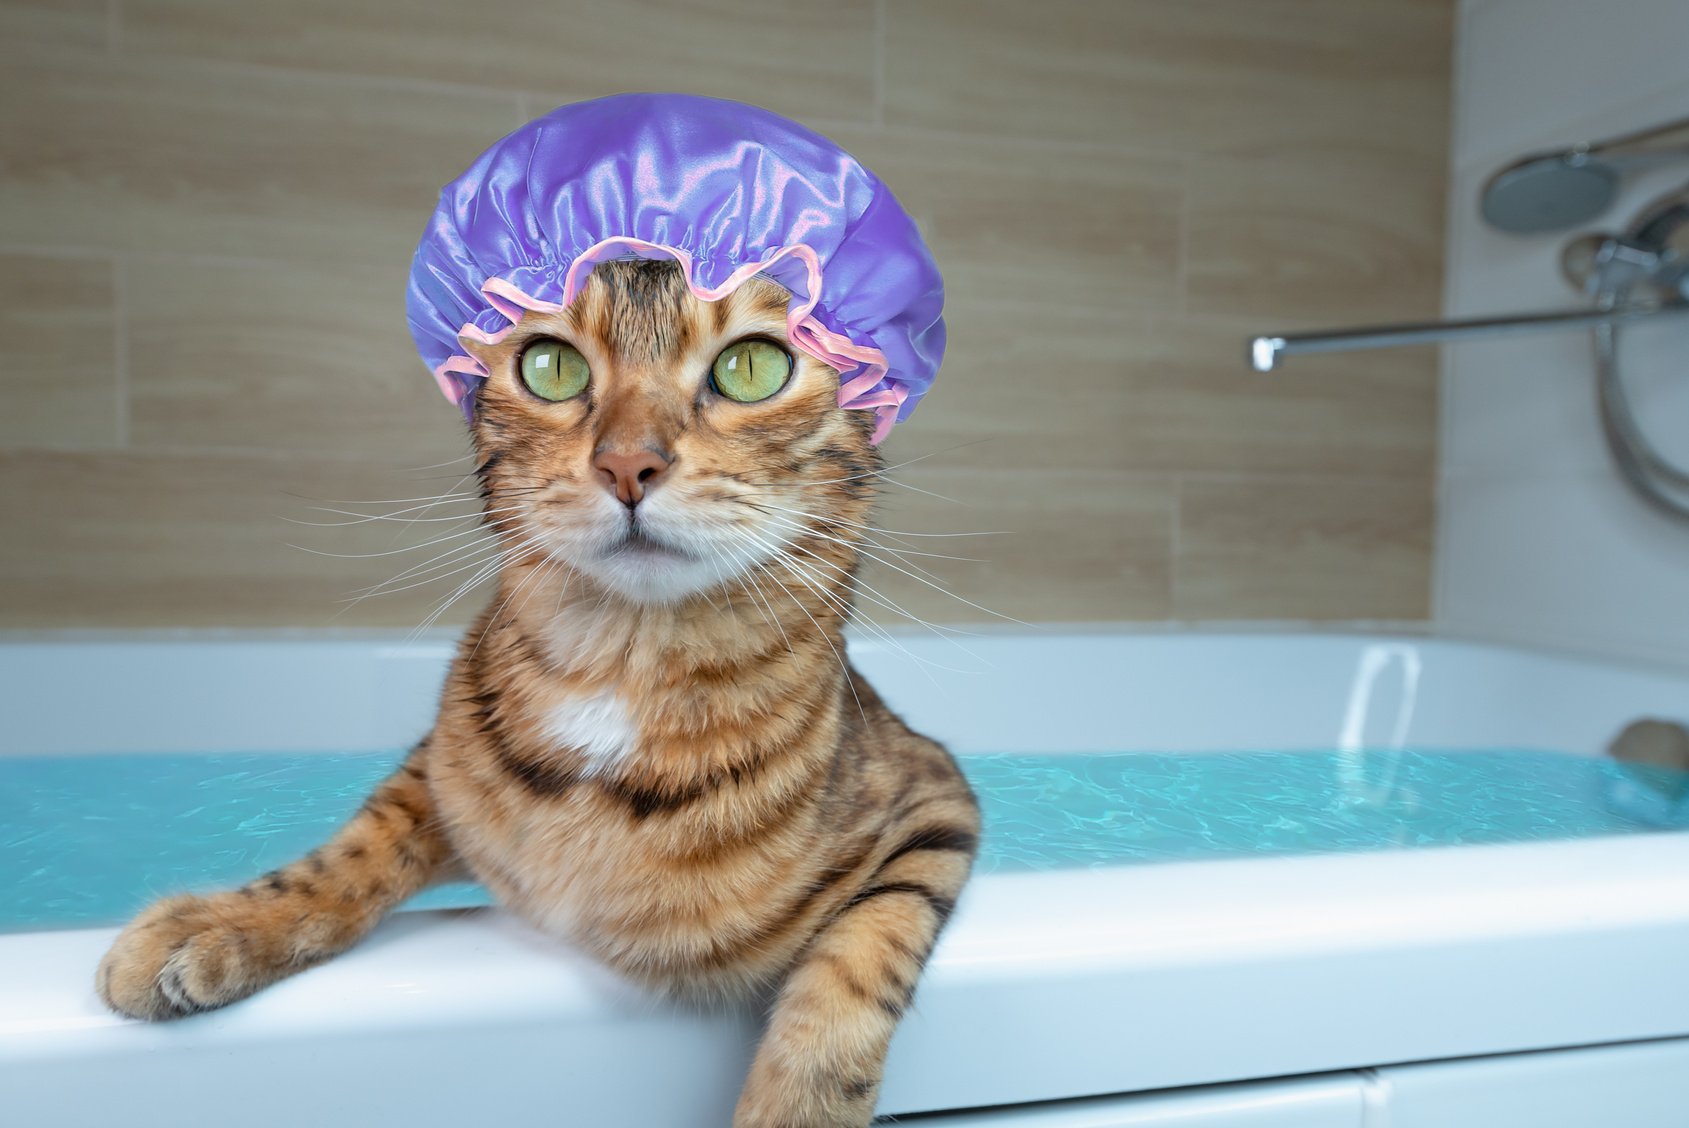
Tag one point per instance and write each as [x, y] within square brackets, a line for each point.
[1323, 971]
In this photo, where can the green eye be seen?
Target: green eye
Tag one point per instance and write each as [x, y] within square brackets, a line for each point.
[553, 370]
[751, 370]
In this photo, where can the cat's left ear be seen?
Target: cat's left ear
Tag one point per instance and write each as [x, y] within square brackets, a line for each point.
[490, 356]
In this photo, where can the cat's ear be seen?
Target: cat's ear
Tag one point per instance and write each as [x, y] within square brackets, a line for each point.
[490, 356]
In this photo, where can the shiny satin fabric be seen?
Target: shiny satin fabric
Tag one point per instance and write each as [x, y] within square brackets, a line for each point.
[727, 190]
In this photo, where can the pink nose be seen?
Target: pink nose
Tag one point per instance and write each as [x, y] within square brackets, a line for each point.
[627, 475]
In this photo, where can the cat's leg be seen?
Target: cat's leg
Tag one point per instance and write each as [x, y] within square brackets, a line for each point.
[192, 953]
[820, 1061]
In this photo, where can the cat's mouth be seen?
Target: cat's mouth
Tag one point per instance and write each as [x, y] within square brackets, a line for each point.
[640, 545]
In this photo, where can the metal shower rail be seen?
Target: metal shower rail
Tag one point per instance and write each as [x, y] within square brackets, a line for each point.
[1266, 353]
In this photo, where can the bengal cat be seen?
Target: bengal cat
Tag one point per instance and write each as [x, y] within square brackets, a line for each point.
[650, 743]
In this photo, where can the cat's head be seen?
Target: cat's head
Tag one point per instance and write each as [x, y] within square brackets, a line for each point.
[663, 446]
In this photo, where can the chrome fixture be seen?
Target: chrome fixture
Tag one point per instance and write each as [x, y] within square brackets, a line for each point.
[1651, 257]
[1265, 352]
[1640, 273]
[1556, 190]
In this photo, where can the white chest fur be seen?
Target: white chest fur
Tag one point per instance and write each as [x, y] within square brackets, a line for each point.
[596, 725]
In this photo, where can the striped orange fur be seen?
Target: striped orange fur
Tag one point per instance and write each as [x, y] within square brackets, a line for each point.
[650, 743]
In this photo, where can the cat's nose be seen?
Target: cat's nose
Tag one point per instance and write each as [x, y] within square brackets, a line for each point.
[628, 474]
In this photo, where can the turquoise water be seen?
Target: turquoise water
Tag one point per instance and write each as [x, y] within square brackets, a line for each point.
[89, 839]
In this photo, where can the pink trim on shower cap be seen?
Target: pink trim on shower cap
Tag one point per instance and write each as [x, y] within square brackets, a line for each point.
[806, 333]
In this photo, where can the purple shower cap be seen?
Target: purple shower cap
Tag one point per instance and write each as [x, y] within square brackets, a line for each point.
[726, 190]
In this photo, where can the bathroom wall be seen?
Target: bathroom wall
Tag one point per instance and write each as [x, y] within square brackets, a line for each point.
[1539, 538]
[207, 211]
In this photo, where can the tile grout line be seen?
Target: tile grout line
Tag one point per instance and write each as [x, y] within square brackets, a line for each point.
[879, 116]
[335, 455]
[1131, 475]
[170, 255]
[220, 67]
[1175, 547]
[1071, 145]
[32, 250]
[402, 85]
[1181, 266]
[876, 118]
[120, 344]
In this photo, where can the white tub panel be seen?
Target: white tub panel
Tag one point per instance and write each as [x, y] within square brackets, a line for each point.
[1182, 974]
[1635, 1086]
[1046, 986]
[438, 1019]
[1314, 1102]
[1031, 691]
[218, 695]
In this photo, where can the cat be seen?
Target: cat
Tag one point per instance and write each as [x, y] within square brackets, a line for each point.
[651, 742]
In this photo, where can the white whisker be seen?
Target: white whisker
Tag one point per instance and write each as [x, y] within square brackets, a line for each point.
[900, 465]
[940, 588]
[477, 531]
[817, 585]
[469, 454]
[865, 527]
[864, 537]
[452, 492]
[844, 668]
[469, 495]
[492, 620]
[861, 544]
[439, 574]
[850, 583]
[863, 588]
[487, 570]
[766, 608]
[397, 516]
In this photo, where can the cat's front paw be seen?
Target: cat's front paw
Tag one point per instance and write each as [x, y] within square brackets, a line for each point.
[186, 954]
[804, 1097]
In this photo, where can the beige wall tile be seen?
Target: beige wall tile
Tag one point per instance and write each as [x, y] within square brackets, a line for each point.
[278, 357]
[218, 160]
[1062, 544]
[1249, 76]
[812, 57]
[1015, 221]
[1053, 387]
[1309, 549]
[1029, 386]
[58, 375]
[149, 540]
[1319, 239]
[1119, 193]
[74, 23]
[1194, 405]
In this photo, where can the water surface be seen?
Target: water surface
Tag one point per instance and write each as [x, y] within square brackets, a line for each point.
[89, 839]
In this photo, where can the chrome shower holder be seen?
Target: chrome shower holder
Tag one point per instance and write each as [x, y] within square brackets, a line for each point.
[1640, 274]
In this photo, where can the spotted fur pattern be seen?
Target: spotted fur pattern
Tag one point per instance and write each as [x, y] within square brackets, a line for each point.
[650, 743]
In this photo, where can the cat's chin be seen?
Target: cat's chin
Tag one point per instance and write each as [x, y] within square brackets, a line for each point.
[648, 573]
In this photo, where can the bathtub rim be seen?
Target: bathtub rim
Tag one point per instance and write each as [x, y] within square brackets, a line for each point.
[1046, 986]
[384, 686]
